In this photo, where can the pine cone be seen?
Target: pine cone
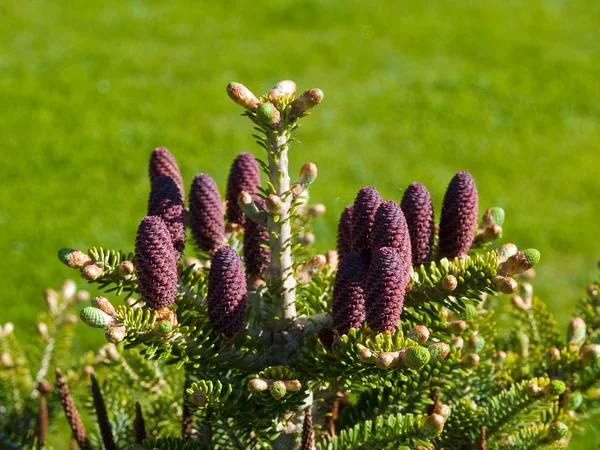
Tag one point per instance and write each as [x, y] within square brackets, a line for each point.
[390, 230]
[344, 237]
[418, 211]
[458, 223]
[155, 263]
[348, 307]
[206, 213]
[162, 162]
[365, 206]
[385, 288]
[256, 255]
[227, 292]
[79, 433]
[165, 201]
[243, 176]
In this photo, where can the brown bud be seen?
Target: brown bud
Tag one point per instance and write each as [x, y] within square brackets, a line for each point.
[293, 385]
[554, 354]
[449, 282]
[258, 385]
[458, 342]
[285, 88]
[471, 360]
[506, 251]
[126, 268]
[104, 305]
[275, 204]
[457, 327]
[387, 360]
[332, 258]
[92, 272]
[114, 335]
[74, 258]
[419, 334]
[242, 96]
[43, 329]
[506, 285]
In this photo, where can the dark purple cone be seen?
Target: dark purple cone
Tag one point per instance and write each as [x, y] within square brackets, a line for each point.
[162, 162]
[227, 292]
[326, 337]
[418, 211]
[390, 230]
[155, 263]
[165, 201]
[386, 285]
[344, 237]
[459, 216]
[206, 213]
[243, 176]
[348, 306]
[256, 256]
[365, 206]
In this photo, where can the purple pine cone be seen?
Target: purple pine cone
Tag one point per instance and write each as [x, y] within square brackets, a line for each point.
[365, 206]
[390, 230]
[386, 285]
[344, 237]
[256, 255]
[348, 306]
[155, 263]
[206, 213]
[165, 201]
[243, 176]
[227, 292]
[459, 216]
[418, 211]
[162, 162]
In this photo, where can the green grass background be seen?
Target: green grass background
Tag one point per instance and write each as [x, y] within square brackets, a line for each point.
[414, 91]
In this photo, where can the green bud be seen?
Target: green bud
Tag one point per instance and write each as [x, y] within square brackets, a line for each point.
[533, 256]
[475, 344]
[575, 400]
[416, 357]
[96, 318]
[470, 312]
[432, 426]
[438, 351]
[558, 430]
[278, 390]
[164, 327]
[555, 388]
[497, 215]
[268, 114]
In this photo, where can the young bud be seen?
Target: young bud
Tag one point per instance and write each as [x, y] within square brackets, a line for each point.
[308, 174]
[493, 216]
[278, 390]
[366, 355]
[242, 96]
[471, 360]
[458, 342]
[506, 285]
[292, 385]
[316, 210]
[387, 360]
[206, 213]
[449, 283]
[590, 354]
[500, 356]
[558, 430]
[470, 312]
[344, 236]
[73, 258]
[269, 115]
[475, 344]
[275, 204]
[526, 290]
[114, 335]
[457, 327]
[162, 162]
[576, 331]
[438, 351]
[419, 334]
[332, 258]
[308, 100]
[418, 212]
[491, 233]
[43, 329]
[126, 268]
[104, 305]
[416, 357]
[164, 327]
[520, 262]
[555, 388]
[308, 239]
[227, 292]
[519, 302]
[96, 318]
[198, 398]
[432, 426]
[458, 222]
[51, 297]
[258, 385]
[554, 354]
[92, 272]
[243, 176]
[506, 251]
[285, 88]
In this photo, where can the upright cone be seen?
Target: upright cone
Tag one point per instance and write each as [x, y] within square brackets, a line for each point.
[243, 176]
[418, 211]
[207, 221]
[390, 230]
[365, 206]
[166, 201]
[162, 162]
[344, 237]
[348, 307]
[256, 254]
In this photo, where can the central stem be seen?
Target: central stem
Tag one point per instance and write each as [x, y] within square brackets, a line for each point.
[281, 270]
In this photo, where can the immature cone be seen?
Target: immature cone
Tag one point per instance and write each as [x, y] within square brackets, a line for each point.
[206, 213]
[74, 258]
[344, 237]
[103, 422]
[308, 100]
[386, 285]
[71, 412]
[348, 308]
[363, 217]
[256, 254]
[459, 216]
[418, 211]
[308, 433]
[243, 176]
[162, 162]
[166, 202]
[242, 96]
[390, 230]
[156, 263]
[227, 292]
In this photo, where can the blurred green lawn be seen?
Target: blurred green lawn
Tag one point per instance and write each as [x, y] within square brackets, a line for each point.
[414, 91]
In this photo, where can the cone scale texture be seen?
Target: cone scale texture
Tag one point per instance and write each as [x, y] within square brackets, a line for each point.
[365, 206]
[390, 230]
[206, 213]
[155, 263]
[458, 222]
[243, 176]
[71, 412]
[418, 211]
[344, 237]
[348, 306]
[166, 201]
[227, 292]
[385, 288]
[256, 256]
[162, 162]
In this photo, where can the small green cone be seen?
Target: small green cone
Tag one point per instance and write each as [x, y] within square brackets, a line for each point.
[96, 318]
[165, 327]
[497, 215]
[438, 351]
[556, 388]
[278, 390]
[417, 357]
[267, 113]
[533, 256]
